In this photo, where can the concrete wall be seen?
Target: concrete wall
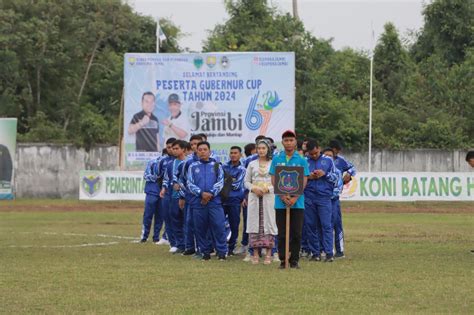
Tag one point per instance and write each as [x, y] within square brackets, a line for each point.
[423, 160]
[52, 171]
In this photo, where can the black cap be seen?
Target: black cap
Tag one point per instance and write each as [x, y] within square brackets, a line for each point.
[288, 134]
[173, 98]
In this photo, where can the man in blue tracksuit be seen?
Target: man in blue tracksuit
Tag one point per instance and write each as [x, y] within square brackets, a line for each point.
[318, 206]
[167, 166]
[175, 214]
[205, 182]
[186, 196]
[231, 204]
[347, 170]
[152, 202]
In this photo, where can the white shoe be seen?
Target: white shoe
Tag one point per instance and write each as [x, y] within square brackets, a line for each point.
[276, 258]
[162, 242]
[242, 250]
[247, 258]
[173, 249]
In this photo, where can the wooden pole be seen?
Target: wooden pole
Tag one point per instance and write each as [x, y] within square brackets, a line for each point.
[120, 142]
[287, 238]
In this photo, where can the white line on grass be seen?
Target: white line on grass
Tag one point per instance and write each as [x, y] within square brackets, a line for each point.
[66, 246]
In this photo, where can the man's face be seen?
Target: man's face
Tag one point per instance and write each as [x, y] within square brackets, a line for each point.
[329, 153]
[336, 151]
[178, 151]
[203, 152]
[174, 108]
[235, 155]
[194, 144]
[289, 143]
[303, 146]
[169, 149]
[148, 103]
[471, 162]
[314, 154]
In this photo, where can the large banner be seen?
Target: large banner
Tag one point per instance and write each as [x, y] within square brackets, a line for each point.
[7, 156]
[410, 186]
[128, 185]
[231, 97]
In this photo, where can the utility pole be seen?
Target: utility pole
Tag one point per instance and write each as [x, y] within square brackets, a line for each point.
[295, 9]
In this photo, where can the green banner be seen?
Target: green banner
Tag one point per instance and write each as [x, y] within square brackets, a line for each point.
[7, 156]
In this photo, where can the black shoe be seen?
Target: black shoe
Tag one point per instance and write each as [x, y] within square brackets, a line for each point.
[178, 252]
[206, 257]
[230, 254]
[221, 257]
[294, 265]
[339, 255]
[143, 240]
[189, 252]
[329, 259]
[315, 258]
[282, 265]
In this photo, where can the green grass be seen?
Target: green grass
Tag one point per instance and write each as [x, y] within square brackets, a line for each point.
[396, 263]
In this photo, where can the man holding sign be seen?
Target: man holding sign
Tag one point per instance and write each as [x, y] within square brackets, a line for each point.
[294, 203]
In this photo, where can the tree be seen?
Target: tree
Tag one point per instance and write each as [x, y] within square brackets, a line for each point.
[448, 31]
[62, 65]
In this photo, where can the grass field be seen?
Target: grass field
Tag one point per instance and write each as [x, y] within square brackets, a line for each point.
[65, 256]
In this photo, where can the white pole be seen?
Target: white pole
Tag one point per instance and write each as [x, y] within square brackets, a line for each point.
[370, 95]
[370, 112]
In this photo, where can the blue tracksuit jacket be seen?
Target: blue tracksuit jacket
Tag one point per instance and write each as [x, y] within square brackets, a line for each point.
[323, 186]
[203, 178]
[344, 166]
[237, 172]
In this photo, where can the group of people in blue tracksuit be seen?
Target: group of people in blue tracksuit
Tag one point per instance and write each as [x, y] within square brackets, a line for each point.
[200, 200]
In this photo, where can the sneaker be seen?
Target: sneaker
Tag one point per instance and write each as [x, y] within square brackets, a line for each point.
[339, 255]
[329, 259]
[231, 253]
[197, 256]
[315, 258]
[206, 257]
[294, 265]
[221, 258]
[173, 249]
[247, 258]
[189, 252]
[178, 252]
[242, 250]
[162, 242]
[276, 258]
[304, 254]
[143, 240]
[282, 265]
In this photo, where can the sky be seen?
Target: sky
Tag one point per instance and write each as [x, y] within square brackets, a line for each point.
[349, 23]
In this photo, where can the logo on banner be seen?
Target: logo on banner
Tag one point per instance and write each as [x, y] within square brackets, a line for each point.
[198, 62]
[289, 181]
[224, 62]
[91, 184]
[211, 61]
[259, 114]
[349, 189]
[132, 60]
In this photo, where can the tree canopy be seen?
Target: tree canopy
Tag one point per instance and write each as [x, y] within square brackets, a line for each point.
[61, 71]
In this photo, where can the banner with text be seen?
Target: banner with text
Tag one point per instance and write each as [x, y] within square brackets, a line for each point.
[111, 185]
[7, 156]
[410, 186]
[129, 185]
[230, 97]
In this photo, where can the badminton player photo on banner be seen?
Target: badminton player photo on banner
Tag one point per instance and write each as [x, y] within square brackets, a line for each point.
[230, 97]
